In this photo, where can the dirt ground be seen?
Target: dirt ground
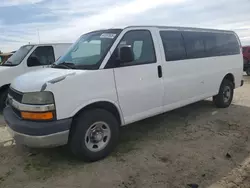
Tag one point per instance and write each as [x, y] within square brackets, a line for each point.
[198, 144]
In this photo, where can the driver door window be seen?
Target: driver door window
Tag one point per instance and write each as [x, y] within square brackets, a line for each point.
[44, 55]
[142, 46]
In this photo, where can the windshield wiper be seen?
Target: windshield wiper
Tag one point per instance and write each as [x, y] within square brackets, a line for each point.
[64, 65]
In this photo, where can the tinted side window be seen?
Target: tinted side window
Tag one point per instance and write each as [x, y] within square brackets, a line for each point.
[210, 44]
[248, 50]
[194, 44]
[173, 45]
[226, 44]
[142, 45]
[219, 44]
[44, 55]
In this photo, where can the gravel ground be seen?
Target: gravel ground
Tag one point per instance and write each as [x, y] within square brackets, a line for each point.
[198, 144]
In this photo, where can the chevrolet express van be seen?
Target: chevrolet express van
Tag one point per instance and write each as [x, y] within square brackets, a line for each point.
[114, 77]
[27, 58]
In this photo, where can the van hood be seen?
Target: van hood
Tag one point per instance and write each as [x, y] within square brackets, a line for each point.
[37, 80]
[3, 68]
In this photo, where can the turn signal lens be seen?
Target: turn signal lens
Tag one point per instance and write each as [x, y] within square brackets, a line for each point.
[37, 116]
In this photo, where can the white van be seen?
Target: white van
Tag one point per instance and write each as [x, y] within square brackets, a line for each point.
[27, 58]
[110, 78]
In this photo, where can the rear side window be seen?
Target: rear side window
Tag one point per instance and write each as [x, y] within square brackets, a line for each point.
[219, 44]
[173, 45]
[227, 44]
[243, 50]
[248, 50]
[194, 44]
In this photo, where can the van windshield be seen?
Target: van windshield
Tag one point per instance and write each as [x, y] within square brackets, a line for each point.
[89, 50]
[18, 56]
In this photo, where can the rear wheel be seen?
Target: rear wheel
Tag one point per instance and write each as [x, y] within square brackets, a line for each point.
[225, 96]
[94, 135]
[3, 99]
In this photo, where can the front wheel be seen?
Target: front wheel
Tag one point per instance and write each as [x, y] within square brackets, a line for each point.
[94, 135]
[225, 96]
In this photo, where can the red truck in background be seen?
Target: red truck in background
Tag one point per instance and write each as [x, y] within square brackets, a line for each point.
[246, 56]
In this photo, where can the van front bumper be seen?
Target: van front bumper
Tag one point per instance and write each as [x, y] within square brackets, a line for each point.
[37, 134]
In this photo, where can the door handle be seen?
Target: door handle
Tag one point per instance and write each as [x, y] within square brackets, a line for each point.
[159, 71]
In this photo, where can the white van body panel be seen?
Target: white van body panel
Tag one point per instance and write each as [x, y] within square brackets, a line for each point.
[191, 80]
[146, 100]
[136, 91]
[95, 86]
[9, 73]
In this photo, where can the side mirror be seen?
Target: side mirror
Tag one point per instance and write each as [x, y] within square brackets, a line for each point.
[126, 54]
[33, 61]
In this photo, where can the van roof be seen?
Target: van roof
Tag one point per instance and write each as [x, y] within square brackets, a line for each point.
[181, 28]
[43, 44]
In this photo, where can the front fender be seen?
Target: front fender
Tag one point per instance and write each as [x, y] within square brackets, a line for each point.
[81, 106]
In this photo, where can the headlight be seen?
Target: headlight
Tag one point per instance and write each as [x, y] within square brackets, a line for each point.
[44, 97]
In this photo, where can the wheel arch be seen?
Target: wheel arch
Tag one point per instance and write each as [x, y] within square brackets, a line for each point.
[102, 104]
[229, 77]
[4, 87]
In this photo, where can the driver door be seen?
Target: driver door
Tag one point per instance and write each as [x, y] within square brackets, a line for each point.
[139, 83]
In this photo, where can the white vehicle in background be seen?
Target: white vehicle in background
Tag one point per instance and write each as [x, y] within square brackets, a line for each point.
[111, 78]
[27, 58]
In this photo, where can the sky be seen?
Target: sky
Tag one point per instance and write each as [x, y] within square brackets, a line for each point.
[31, 21]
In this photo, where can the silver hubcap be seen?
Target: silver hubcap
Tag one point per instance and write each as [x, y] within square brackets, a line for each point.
[97, 136]
[226, 94]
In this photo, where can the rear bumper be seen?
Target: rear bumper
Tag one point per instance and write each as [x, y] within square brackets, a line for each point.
[37, 134]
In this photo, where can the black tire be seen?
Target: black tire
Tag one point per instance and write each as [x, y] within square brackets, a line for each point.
[84, 121]
[222, 99]
[3, 98]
